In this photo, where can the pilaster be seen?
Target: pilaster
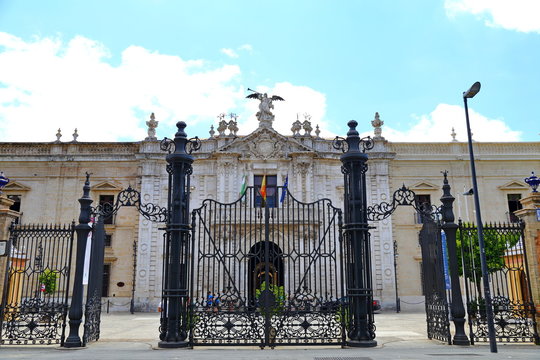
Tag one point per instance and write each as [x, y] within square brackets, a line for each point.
[528, 215]
[7, 216]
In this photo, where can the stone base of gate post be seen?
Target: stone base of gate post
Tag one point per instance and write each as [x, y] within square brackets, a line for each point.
[173, 344]
[360, 343]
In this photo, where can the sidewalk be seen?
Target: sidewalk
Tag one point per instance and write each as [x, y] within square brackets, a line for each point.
[399, 336]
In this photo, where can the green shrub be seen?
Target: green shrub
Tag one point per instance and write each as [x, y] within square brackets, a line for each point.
[48, 278]
[279, 295]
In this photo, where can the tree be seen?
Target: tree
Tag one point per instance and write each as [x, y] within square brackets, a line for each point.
[496, 243]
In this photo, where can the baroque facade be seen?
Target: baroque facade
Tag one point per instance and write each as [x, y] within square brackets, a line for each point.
[47, 180]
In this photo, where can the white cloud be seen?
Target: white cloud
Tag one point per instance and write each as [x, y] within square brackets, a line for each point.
[519, 15]
[230, 53]
[46, 84]
[437, 126]
[246, 47]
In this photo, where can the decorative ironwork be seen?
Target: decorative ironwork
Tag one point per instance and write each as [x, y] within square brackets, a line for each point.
[92, 318]
[167, 145]
[340, 143]
[132, 197]
[193, 144]
[35, 299]
[357, 242]
[438, 326]
[174, 319]
[512, 303]
[266, 276]
[433, 282]
[92, 309]
[402, 197]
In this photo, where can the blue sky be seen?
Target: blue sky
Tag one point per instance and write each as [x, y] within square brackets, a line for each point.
[103, 66]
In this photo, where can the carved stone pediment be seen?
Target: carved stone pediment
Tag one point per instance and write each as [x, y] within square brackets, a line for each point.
[15, 186]
[265, 143]
[106, 186]
[514, 185]
[424, 185]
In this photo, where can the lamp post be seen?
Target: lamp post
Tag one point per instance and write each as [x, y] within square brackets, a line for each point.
[469, 94]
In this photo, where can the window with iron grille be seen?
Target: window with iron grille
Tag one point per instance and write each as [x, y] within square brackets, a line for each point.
[106, 202]
[513, 205]
[16, 205]
[271, 190]
[108, 239]
[424, 202]
[106, 280]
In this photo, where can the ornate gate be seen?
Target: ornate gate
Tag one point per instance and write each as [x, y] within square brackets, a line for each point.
[36, 287]
[434, 283]
[268, 275]
[513, 306]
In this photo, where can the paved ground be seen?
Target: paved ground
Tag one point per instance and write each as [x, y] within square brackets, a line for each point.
[399, 336]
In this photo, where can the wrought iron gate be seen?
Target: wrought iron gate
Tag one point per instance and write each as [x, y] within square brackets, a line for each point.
[513, 307]
[434, 282]
[36, 286]
[267, 275]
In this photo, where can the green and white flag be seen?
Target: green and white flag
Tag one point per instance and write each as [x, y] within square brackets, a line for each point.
[244, 186]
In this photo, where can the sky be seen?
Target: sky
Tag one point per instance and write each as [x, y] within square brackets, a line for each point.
[102, 67]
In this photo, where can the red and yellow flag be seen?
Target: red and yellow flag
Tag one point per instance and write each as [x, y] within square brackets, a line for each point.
[263, 188]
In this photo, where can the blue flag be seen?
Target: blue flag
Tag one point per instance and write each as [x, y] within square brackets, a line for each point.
[284, 190]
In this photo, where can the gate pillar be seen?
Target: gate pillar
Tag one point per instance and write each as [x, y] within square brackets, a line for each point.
[531, 239]
[450, 228]
[360, 324]
[175, 290]
[82, 229]
[7, 216]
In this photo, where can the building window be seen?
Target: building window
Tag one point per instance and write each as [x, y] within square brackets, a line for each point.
[513, 205]
[107, 202]
[271, 190]
[424, 202]
[106, 280]
[16, 205]
[108, 239]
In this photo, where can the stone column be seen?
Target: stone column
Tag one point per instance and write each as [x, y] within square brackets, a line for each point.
[532, 244]
[7, 216]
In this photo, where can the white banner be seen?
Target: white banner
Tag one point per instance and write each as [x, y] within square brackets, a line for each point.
[87, 253]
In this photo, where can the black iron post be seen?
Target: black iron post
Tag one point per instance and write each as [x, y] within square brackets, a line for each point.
[175, 292]
[82, 229]
[133, 279]
[361, 331]
[475, 88]
[450, 229]
[396, 255]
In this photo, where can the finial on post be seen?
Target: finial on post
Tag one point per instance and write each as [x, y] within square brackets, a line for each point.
[533, 181]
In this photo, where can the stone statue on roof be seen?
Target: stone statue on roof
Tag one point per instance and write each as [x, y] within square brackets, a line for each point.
[265, 115]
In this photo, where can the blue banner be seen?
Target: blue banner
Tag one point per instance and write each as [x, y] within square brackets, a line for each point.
[445, 261]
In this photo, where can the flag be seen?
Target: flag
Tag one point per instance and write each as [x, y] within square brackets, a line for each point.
[263, 188]
[244, 186]
[284, 190]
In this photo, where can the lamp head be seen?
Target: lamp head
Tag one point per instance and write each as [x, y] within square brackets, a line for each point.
[475, 88]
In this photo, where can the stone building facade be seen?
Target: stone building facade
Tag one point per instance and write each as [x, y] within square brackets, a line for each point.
[47, 180]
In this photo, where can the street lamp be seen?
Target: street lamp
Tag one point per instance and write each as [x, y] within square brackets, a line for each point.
[469, 94]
